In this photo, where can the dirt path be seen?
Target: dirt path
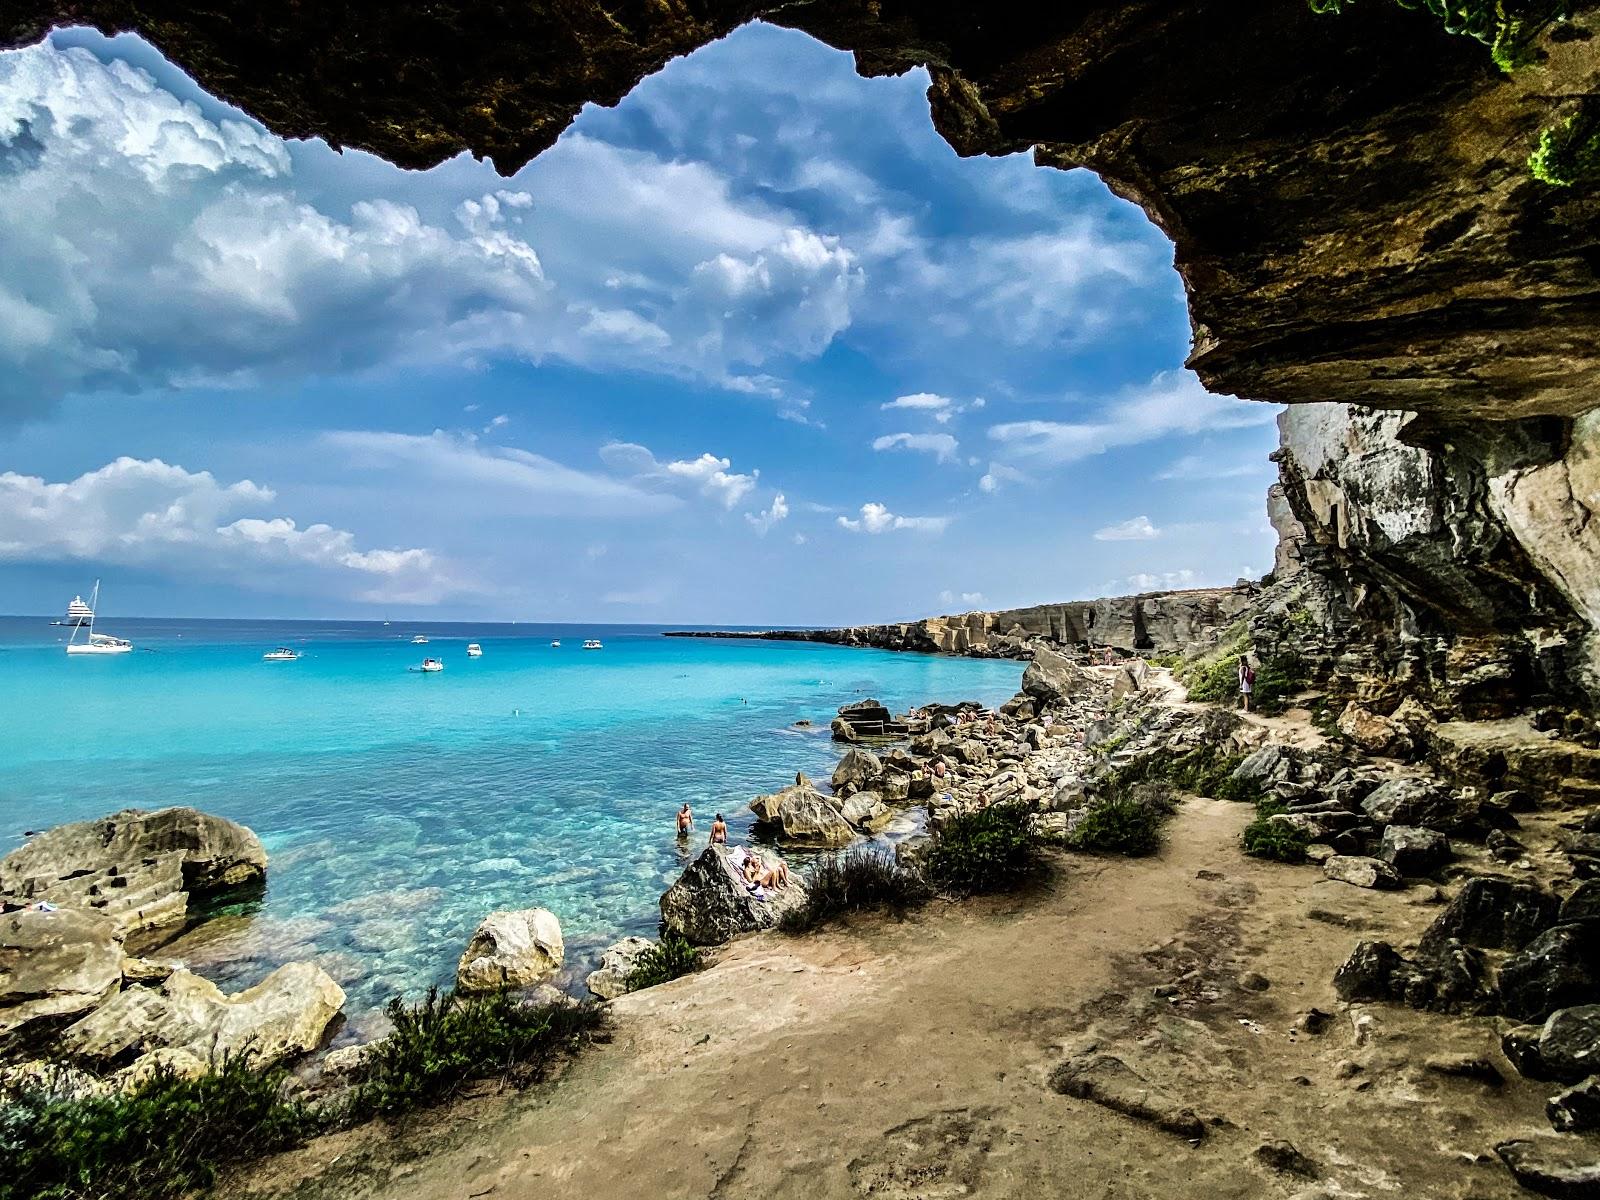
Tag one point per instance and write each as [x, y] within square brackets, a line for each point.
[909, 1059]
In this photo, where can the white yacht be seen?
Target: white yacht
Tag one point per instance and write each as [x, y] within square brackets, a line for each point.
[429, 666]
[78, 613]
[419, 640]
[474, 650]
[281, 654]
[592, 644]
[555, 645]
[96, 643]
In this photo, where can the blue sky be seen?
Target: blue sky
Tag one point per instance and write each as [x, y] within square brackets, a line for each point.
[752, 347]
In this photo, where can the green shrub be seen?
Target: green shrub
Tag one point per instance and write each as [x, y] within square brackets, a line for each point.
[856, 880]
[1203, 771]
[447, 1040]
[1265, 838]
[985, 850]
[669, 958]
[166, 1137]
[1126, 823]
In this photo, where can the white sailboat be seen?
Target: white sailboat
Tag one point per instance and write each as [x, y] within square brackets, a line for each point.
[97, 643]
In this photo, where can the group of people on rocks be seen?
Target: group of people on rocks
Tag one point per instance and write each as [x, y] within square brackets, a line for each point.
[757, 875]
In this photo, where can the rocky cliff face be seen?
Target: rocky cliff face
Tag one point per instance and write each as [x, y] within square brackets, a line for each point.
[1347, 196]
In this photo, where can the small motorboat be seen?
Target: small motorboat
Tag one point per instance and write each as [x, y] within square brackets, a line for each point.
[281, 654]
[555, 645]
[593, 644]
[430, 665]
[474, 650]
[419, 640]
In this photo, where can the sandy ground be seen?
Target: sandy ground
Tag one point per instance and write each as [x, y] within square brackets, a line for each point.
[898, 1059]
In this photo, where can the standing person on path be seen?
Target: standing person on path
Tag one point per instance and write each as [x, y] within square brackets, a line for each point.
[1247, 681]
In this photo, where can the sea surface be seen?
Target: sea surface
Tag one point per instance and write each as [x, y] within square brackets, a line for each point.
[398, 808]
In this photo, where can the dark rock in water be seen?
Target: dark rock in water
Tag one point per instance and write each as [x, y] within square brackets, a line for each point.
[709, 904]
[1284, 1158]
[842, 730]
[1569, 1043]
[1558, 969]
[1414, 850]
[1583, 904]
[1576, 1110]
[1448, 977]
[1496, 914]
[1568, 1169]
[1108, 1081]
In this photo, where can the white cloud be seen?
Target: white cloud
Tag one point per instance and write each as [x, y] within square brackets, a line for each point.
[1165, 581]
[1196, 467]
[971, 599]
[236, 276]
[148, 513]
[876, 518]
[776, 511]
[1134, 529]
[998, 476]
[1173, 402]
[941, 445]
[940, 408]
[488, 479]
[708, 475]
[499, 422]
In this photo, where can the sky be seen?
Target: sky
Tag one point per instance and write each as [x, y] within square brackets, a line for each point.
[752, 347]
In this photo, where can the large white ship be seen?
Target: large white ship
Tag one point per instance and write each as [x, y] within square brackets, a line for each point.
[78, 613]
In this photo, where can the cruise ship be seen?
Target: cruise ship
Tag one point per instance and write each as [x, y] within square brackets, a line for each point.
[78, 613]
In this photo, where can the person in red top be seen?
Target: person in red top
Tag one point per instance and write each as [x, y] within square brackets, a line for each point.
[1247, 680]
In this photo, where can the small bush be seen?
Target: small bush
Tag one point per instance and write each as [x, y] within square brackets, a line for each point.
[1126, 823]
[166, 1137]
[446, 1041]
[669, 958]
[986, 850]
[1204, 771]
[858, 879]
[1265, 838]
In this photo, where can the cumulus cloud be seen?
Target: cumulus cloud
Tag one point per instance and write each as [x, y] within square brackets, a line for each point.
[1173, 402]
[940, 408]
[235, 276]
[971, 599]
[998, 475]
[1134, 529]
[941, 445]
[709, 475]
[1164, 581]
[876, 518]
[148, 513]
[775, 512]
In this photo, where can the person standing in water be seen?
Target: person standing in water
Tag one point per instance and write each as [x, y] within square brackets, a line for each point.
[719, 831]
[685, 820]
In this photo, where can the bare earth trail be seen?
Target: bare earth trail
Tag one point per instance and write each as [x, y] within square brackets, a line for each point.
[909, 1059]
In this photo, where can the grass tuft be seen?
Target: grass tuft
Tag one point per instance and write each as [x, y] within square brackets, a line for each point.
[669, 958]
[856, 880]
[986, 850]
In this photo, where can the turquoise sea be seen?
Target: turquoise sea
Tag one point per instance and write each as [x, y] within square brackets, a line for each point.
[398, 808]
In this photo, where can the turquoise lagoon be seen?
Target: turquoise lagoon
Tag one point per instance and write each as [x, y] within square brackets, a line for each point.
[398, 808]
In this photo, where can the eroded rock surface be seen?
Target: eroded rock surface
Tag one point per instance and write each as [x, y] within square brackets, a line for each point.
[511, 949]
[56, 964]
[710, 904]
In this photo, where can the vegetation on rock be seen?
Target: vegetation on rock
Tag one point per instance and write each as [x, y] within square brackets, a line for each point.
[669, 958]
[1265, 838]
[986, 850]
[1204, 771]
[856, 880]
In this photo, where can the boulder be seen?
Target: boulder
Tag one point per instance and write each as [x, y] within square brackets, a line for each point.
[56, 964]
[285, 1014]
[616, 964]
[1413, 850]
[865, 810]
[1130, 679]
[1269, 764]
[866, 718]
[1412, 801]
[842, 730]
[1558, 969]
[1495, 913]
[136, 867]
[1448, 977]
[1569, 1043]
[1583, 904]
[511, 949]
[1520, 1045]
[800, 813]
[1373, 733]
[1053, 678]
[710, 903]
[856, 769]
[1576, 1110]
[1568, 1169]
[1361, 871]
[895, 786]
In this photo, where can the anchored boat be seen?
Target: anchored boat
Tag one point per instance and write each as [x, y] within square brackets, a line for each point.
[96, 643]
[281, 654]
[474, 650]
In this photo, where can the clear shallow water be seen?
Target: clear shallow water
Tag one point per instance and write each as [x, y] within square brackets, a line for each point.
[398, 808]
